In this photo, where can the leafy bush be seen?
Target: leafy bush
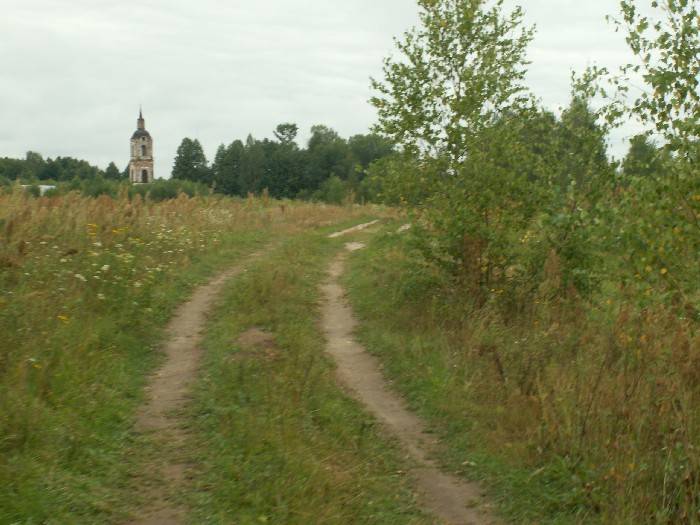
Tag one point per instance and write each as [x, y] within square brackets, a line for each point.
[333, 190]
[573, 294]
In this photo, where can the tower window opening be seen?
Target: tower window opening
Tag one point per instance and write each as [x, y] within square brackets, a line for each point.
[143, 150]
[144, 175]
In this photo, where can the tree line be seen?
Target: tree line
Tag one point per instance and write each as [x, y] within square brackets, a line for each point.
[34, 168]
[331, 168]
[328, 168]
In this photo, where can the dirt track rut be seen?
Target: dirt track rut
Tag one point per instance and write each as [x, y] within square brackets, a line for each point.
[167, 393]
[448, 497]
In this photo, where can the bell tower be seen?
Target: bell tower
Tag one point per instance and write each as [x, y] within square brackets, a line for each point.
[141, 164]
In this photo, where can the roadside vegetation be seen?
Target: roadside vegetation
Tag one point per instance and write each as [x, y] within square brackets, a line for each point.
[543, 308]
[85, 286]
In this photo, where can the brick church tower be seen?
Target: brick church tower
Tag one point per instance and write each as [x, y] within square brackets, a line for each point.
[141, 165]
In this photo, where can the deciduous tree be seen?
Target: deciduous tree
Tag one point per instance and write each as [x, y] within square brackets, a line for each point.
[191, 163]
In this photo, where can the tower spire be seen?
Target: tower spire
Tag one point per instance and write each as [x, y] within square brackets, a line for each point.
[140, 123]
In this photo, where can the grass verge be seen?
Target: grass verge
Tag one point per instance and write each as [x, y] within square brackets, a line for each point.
[394, 298]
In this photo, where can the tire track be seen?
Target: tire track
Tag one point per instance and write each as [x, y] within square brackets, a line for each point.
[448, 497]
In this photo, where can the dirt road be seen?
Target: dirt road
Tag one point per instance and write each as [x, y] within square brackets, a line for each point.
[448, 497]
[167, 394]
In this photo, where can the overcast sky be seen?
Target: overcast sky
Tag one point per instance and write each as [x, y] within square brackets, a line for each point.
[75, 71]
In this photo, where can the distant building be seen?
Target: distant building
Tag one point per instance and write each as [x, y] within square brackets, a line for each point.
[43, 188]
[141, 164]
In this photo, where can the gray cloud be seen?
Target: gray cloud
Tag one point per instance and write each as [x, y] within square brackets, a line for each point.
[74, 72]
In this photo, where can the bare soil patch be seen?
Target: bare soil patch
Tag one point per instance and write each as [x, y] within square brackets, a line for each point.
[354, 246]
[450, 498]
[354, 229]
[256, 343]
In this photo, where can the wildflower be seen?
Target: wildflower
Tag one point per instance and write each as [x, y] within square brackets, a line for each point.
[63, 318]
[101, 296]
[137, 284]
[80, 277]
[63, 260]
[97, 243]
[105, 268]
[664, 271]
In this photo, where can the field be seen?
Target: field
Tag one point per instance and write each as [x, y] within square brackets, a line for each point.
[86, 286]
[575, 410]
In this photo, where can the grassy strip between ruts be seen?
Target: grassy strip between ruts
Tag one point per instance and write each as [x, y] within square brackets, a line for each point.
[87, 285]
[391, 296]
[274, 438]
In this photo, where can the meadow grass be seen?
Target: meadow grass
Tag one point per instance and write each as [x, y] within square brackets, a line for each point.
[276, 440]
[575, 411]
[86, 286]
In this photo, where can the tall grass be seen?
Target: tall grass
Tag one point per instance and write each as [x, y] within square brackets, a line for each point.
[576, 410]
[85, 286]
